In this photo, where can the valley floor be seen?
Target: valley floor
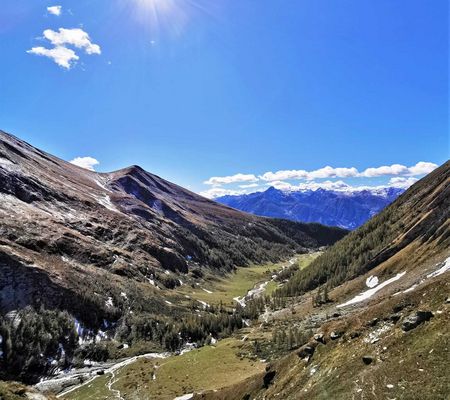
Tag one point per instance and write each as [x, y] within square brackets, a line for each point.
[165, 376]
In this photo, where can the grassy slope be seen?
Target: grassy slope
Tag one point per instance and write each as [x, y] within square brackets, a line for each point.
[210, 368]
[224, 289]
[414, 363]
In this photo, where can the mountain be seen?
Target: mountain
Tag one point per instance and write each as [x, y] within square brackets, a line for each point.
[346, 209]
[99, 247]
[375, 307]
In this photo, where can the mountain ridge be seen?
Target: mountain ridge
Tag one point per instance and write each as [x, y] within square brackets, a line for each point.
[109, 249]
[346, 209]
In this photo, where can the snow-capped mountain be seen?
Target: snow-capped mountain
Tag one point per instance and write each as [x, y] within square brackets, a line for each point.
[346, 209]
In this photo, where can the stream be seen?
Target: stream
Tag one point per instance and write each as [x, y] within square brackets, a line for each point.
[66, 382]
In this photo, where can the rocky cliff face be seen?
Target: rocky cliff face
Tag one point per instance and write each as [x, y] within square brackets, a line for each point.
[347, 210]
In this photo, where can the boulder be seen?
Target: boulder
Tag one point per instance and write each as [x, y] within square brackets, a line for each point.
[335, 335]
[414, 320]
[367, 360]
[373, 322]
[318, 337]
[399, 307]
[395, 318]
[354, 335]
[306, 351]
[268, 378]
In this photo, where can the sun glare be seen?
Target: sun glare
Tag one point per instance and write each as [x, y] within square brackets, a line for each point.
[160, 16]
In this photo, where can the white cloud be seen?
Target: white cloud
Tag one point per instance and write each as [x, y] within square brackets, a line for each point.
[394, 169]
[402, 182]
[322, 173]
[75, 37]
[311, 185]
[85, 162]
[422, 168]
[55, 10]
[219, 192]
[60, 55]
[330, 172]
[220, 180]
[250, 185]
[284, 175]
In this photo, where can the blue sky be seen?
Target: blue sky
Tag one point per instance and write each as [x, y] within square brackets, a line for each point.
[191, 90]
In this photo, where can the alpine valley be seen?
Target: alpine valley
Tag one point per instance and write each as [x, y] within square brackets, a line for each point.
[123, 285]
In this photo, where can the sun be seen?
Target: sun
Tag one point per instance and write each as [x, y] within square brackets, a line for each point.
[163, 16]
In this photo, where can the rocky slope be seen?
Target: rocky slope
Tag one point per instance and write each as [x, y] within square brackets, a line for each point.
[105, 246]
[345, 209]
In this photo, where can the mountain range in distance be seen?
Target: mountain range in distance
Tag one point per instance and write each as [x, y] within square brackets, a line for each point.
[345, 209]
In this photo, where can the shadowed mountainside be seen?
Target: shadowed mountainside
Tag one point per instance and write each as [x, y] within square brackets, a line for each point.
[72, 238]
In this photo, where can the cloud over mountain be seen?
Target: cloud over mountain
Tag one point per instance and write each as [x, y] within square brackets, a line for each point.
[85, 162]
[401, 176]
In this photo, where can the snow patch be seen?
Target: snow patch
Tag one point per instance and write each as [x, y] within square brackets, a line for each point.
[106, 202]
[168, 302]
[101, 182]
[372, 281]
[207, 291]
[369, 293]
[441, 270]
[188, 396]
[240, 300]
[204, 304]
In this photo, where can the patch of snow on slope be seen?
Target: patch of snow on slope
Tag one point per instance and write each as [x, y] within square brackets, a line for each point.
[100, 181]
[240, 300]
[445, 267]
[188, 396]
[204, 304]
[369, 293]
[372, 281]
[441, 270]
[106, 202]
[207, 291]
